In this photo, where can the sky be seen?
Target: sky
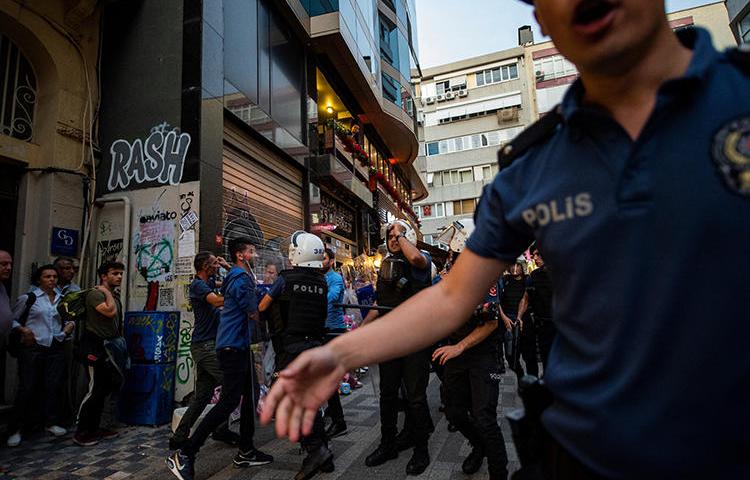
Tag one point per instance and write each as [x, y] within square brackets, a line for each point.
[451, 30]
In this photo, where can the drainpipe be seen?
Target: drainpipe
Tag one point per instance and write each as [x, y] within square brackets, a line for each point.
[127, 231]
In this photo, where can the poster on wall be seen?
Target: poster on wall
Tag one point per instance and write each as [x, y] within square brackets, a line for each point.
[154, 250]
[108, 250]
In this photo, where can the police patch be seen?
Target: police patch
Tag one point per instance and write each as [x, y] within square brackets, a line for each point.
[731, 154]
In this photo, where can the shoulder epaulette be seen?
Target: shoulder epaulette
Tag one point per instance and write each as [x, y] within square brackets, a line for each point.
[740, 57]
[537, 132]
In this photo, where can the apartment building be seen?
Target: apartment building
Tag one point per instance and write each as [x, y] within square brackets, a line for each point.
[468, 110]
[739, 19]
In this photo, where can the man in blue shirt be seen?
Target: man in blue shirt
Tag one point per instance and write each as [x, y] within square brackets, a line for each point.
[335, 326]
[634, 187]
[237, 367]
[206, 303]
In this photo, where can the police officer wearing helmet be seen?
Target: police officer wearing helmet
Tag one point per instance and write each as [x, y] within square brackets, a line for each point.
[639, 181]
[403, 273]
[298, 302]
[472, 381]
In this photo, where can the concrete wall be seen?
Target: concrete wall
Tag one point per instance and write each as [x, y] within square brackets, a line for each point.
[159, 252]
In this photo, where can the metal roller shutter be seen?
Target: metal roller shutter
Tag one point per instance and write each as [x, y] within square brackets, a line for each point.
[262, 192]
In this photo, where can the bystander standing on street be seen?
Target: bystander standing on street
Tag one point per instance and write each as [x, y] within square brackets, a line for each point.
[41, 366]
[66, 272]
[104, 353]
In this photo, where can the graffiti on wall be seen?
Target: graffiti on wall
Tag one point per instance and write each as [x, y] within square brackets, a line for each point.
[159, 158]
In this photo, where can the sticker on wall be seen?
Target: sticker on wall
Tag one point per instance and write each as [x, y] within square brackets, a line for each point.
[186, 247]
[108, 251]
[188, 220]
[184, 266]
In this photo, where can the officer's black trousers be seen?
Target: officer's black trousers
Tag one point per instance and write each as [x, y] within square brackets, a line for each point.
[472, 388]
[291, 349]
[546, 332]
[414, 370]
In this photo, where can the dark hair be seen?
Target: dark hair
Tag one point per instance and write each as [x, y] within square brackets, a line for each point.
[200, 260]
[105, 267]
[36, 277]
[330, 254]
[60, 260]
[533, 247]
[238, 245]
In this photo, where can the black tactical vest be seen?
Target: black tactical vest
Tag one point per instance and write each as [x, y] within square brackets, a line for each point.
[540, 294]
[302, 308]
[396, 282]
[513, 291]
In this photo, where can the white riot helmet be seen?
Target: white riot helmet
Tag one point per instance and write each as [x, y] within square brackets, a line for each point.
[456, 235]
[410, 234]
[306, 250]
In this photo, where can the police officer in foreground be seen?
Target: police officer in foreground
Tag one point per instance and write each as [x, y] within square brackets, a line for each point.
[639, 181]
[298, 302]
[403, 273]
[472, 383]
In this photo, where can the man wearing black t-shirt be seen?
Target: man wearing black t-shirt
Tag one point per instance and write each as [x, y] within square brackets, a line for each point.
[205, 301]
[539, 289]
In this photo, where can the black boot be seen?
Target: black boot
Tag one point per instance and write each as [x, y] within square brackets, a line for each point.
[473, 462]
[419, 462]
[314, 462]
[336, 429]
[382, 454]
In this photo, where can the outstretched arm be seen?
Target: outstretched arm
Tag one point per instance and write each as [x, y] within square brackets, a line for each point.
[310, 380]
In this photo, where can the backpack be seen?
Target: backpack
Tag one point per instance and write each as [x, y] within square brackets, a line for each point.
[14, 339]
[72, 308]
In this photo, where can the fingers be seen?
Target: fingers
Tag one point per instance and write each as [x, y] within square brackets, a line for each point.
[308, 420]
[295, 423]
[296, 367]
[272, 401]
[283, 415]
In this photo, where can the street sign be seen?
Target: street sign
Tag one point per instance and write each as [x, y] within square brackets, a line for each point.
[64, 242]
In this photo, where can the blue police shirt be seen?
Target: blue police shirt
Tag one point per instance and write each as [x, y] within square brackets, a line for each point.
[650, 369]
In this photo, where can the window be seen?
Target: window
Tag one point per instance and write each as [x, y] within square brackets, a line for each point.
[391, 89]
[464, 207]
[18, 88]
[497, 75]
[431, 210]
[442, 87]
[744, 28]
[489, 172]
[556, 66]
[471, 142]
[428, 240]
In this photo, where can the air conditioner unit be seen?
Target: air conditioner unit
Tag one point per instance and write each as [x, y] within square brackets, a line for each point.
[507, 115]
[450, 95]
[441, 98]
[429, 100]
[463, 93]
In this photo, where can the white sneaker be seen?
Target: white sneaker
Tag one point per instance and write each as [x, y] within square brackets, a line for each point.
[57, 431]
[15, 439]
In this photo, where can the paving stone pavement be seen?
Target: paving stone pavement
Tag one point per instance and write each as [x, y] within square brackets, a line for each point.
[139, 452]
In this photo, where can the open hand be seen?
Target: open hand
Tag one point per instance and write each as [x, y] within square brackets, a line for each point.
[301, 389]
[446, 353]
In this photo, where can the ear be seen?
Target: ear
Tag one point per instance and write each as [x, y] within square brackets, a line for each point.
[541, 23]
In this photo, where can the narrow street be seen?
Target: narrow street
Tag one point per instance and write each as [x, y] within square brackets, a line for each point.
[139, 452]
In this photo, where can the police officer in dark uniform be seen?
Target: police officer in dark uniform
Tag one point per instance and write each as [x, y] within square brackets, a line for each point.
[512, 310]
[637, 182]
[539, 291]
[472, 386]
[403, 273]
[298, 302]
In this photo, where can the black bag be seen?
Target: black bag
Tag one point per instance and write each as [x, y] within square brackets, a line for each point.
[14, 339]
